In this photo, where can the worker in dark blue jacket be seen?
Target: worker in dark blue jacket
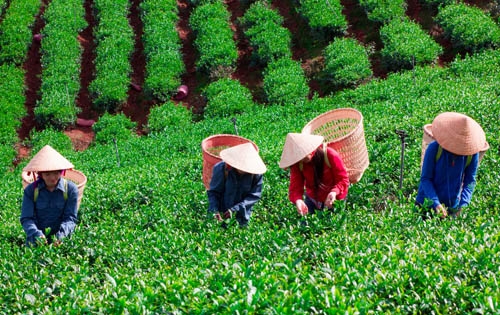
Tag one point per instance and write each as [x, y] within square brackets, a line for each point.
[236, 184]
[450, 164]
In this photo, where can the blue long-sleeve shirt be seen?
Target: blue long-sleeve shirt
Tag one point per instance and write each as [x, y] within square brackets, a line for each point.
[448, 181]
[235, 192]
[50, 210]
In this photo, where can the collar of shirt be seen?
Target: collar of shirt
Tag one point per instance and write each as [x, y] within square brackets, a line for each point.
[59, 186]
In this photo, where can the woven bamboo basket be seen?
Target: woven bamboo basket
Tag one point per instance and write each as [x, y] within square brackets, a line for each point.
[343, 131]
[75, 176]
[428, 138]
[211, 148]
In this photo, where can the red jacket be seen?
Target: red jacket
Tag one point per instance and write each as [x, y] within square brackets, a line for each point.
[335, 179]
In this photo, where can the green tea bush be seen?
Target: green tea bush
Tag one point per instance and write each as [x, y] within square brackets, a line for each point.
[468, 27]
[55, 138]
[438, 2]
[12, 110]
[285, 83]
[7, 156]
[111, 128]
[3, 4]
[263, 27]
[260, 12]
[346, 62]
[114, 47]
[383, 10]
[164, 64]
[12, 99]
[406, 44]
[145, 245]
[61, 54]
[16, 30]
[324, 17]
[58, 114]
[197, 3]
[168, 117]
[226, 97]
[270, 42]
[214, 39]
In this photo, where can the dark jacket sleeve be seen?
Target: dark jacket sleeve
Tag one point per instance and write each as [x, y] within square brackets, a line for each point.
[70, 213]
[28, 220]
[252, 196]
[427, 176]
[215, 192]
[469, 181]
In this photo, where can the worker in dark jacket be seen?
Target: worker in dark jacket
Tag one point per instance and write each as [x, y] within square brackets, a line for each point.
[236, 184]
[450, 163]
[49, 208]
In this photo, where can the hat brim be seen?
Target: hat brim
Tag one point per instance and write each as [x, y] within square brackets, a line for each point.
[458, 133]
[244, 157]
[46, 160]
[297, 147]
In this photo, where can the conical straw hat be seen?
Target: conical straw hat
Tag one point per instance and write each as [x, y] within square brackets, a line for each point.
[48, 159]
[298, 146]
[245, 158]
[458, 134]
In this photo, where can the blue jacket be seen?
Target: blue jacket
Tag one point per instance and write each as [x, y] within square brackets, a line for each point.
[234, 192]
[448, 180]
[51, 210]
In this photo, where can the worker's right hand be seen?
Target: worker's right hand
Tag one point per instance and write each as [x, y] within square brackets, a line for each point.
[441, 211]
[301, 207]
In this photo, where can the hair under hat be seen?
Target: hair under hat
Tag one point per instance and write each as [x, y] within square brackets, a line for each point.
[245, 158]
[458, 133]
[48, 159]
[298, 146]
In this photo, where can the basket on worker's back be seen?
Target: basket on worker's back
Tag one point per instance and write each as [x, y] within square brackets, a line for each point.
[428, 138]
[343, 131]
[75, 176]
[211, 148]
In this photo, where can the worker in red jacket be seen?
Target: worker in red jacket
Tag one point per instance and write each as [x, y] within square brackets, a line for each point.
[316, 167]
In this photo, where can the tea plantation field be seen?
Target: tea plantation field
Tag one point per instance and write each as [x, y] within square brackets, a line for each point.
[144, 245]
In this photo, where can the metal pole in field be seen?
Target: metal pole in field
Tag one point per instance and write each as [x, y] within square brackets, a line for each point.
[234, 124]
[402, 135]
[117, 154]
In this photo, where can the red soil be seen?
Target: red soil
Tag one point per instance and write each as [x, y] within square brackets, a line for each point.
[33, 70]
[193, 100]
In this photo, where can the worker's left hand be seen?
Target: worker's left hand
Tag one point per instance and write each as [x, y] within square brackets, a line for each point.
[332, 196]
[217, 216]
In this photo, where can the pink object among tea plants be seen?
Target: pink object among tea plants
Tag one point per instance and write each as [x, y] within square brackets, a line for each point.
[182, 92]
[85, 122]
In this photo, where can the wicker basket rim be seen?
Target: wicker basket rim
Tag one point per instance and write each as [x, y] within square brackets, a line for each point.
[428, 130]
[28, 178]
[336, 111]
[204, 146]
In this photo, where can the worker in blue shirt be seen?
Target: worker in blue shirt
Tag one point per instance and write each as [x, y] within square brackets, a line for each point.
[49, 208]
[450, 164]
[236, 184]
